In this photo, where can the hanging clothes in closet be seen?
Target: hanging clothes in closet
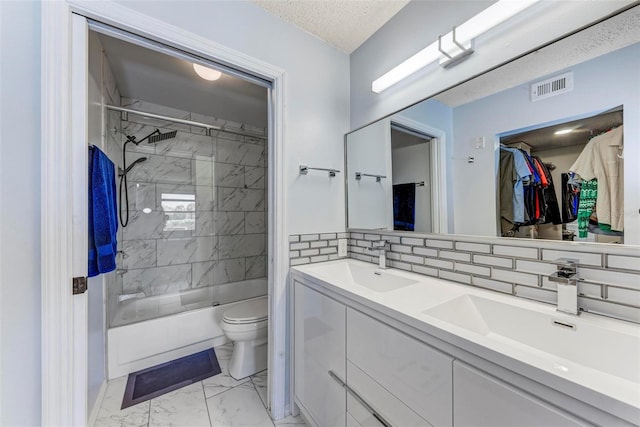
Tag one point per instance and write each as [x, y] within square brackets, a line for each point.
[533, 199]
[602, 161]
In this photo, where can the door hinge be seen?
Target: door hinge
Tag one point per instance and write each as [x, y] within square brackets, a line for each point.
[79, 285]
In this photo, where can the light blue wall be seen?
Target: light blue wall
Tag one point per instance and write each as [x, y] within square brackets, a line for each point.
[599, 84]
[20, 214]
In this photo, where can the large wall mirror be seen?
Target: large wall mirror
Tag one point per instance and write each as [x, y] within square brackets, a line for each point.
[544, 147]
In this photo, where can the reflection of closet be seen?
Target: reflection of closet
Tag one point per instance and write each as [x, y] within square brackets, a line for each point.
[559, 152]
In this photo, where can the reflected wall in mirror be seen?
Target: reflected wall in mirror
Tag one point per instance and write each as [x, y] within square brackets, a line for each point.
[472, 120]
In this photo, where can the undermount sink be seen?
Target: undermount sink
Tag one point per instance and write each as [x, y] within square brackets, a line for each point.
[586, 343]
[367, 276]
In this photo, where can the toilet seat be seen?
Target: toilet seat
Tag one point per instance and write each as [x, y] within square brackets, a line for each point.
[252, 311]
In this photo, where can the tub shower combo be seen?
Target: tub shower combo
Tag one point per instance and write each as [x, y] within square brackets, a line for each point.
[192, 240]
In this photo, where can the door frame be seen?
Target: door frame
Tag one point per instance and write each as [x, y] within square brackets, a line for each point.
[438, 156]
[59, 352]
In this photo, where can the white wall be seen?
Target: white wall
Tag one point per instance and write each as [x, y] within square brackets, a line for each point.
[20, 214]
[413, 164]
[316, 92]
[370, 201]
[419, 23]
[599, 84]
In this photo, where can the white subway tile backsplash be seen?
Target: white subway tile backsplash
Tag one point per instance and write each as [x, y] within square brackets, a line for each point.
[457, 256]
[442, 244]
[343, 235]
[320, 258]
[298, 246]
[329, 250]
[310, 252]
[294, 238]
[535, 267]
[537, 294]
[401, 265]
[582, 257]
[411, 258]
[439, 263]
[514, 277]
[391, 239]
[425, 252]
[493, 261]
[622, 295]
[494, 285]
[610, 309]
[372, 237]
[425, 270]
[401, 248]
[412, 241]
[515, 251]
[300, 261]
[608, 277]
[589, 289]
[473, 269]
[456, 277]
[319, 244]
[473, 247]
[623, 262]
[328, 236]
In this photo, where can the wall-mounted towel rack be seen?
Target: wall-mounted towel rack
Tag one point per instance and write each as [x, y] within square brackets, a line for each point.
[420, 184]
[378, 178]
[304, 169]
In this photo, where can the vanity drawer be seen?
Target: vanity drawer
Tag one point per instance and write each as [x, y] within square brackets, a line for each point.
[388, 407]
[416, 374]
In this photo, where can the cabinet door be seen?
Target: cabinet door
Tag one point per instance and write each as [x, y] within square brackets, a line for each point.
[416, 374]
[480, 400]
[319, 348]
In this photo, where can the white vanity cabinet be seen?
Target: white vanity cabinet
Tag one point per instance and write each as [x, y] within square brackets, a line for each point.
[319, 348]
[405, 380]
[481, 400]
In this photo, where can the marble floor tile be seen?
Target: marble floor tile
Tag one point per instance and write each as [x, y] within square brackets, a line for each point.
[110, 414]
[183, 407]
[223, 381]
[259, 381]
[240, 406]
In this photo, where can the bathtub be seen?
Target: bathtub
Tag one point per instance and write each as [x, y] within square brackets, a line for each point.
[153, 330]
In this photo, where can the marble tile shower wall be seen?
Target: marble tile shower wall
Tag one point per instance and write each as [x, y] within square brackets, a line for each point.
[609, 285]
[197, 205]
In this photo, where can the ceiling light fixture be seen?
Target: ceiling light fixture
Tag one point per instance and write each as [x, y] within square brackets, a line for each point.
[455, 45]
[563, 131]
[207, 73]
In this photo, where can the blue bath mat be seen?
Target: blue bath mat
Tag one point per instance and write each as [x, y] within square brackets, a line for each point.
[160, 379]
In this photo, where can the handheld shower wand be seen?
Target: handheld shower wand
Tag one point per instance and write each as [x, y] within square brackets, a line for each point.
[153, 138]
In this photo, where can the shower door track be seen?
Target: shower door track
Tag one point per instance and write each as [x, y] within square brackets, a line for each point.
[184, 122]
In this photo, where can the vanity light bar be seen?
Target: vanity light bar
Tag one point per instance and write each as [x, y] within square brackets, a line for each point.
[455, 44]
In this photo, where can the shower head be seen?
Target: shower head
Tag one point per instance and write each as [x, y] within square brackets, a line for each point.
[140, 160]
[157, 136]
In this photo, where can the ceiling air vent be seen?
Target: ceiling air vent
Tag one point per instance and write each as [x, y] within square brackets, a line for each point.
[552, 86]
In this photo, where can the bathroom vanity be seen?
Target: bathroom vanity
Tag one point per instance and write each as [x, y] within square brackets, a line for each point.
[392, 348]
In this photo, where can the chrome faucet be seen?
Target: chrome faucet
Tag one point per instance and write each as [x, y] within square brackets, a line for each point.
[381, 246]
[567, 279]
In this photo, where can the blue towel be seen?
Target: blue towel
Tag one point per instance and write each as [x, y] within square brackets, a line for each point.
[103, 213]
[404, 206]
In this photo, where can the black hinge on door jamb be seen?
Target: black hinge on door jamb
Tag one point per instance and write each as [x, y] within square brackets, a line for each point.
[79, 285]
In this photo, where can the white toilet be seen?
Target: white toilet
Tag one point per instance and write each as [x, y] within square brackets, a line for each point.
[246, 325]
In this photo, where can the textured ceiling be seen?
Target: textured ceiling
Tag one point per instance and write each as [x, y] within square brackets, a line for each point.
[344, 24]
[159, 78]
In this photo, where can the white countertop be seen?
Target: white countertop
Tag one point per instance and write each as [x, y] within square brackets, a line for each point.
[596, 373]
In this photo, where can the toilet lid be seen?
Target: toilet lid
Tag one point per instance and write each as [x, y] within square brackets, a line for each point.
[247, 312]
